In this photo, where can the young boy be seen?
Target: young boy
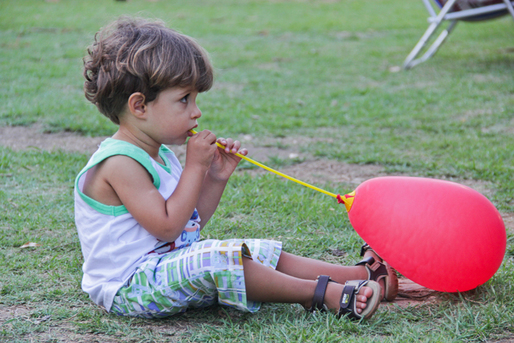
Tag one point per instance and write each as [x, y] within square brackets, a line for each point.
[138, 213]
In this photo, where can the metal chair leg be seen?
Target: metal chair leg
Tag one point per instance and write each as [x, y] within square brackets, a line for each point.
[508, 3]
[411, 59]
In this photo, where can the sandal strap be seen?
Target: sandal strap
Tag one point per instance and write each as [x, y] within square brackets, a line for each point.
[366, 261]
[365, 247]
[347, 303]
[376, 269]
[319, 293]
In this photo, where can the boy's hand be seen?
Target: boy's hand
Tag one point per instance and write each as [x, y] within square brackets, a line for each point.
[200, 149]
[225, 161]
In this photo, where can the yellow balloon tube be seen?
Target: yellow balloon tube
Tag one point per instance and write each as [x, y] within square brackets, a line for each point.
[346, 199]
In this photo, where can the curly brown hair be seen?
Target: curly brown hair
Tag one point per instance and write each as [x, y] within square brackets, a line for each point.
[137, 55]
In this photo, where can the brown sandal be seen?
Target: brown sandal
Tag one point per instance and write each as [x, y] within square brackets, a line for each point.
[347, 303]
[378, 270]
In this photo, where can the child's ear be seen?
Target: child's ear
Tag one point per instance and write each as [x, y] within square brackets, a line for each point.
[137, 105]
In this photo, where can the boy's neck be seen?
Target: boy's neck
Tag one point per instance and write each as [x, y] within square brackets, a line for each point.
[151, 147]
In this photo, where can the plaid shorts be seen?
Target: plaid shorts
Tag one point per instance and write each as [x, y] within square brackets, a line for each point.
[196, 276]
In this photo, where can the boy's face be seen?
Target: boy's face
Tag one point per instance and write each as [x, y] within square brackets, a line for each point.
[172, 114]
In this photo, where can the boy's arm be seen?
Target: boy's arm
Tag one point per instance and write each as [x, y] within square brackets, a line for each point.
[164, 219]
[210, 197]
[222, 167]
[201, 185]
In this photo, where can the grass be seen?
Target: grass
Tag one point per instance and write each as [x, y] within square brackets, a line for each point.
[313, 69]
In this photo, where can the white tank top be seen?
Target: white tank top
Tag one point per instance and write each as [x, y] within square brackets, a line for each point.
[113, 242]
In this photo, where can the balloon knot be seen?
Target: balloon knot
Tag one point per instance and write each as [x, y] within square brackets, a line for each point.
[347, 200]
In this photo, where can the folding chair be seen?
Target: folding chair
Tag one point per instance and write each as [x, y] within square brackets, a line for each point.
[452, 11]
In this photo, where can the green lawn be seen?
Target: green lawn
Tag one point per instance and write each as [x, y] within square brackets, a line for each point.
[317, 70]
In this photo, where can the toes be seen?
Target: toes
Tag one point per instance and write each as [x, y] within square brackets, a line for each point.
[366, 291]
[361, 301]
[362, 297]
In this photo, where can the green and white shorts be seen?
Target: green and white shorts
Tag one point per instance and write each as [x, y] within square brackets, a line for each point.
[196, 276]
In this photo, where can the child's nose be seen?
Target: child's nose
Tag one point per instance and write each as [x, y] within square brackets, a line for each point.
[196, 113]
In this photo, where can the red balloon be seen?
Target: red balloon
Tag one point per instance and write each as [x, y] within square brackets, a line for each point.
[439, 234]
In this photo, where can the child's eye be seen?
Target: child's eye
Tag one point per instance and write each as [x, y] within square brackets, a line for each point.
[184, 99]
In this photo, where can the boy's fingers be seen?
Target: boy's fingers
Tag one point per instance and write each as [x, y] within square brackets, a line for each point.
[232, 146]
[229, 144]
[236, 146]
[209, 137]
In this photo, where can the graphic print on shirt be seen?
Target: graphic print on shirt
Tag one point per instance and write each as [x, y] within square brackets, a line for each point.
[191, 232]
[189, 235]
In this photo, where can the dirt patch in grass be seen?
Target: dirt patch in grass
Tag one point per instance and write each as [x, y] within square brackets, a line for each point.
[8, 312]
[413, 294]
[34, 137]
[310, 170]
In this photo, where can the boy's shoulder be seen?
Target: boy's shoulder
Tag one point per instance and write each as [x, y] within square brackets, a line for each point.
[116, 156]
[123, 167]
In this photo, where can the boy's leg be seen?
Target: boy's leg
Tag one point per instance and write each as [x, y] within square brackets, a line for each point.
[265, 284]
[310, 269]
